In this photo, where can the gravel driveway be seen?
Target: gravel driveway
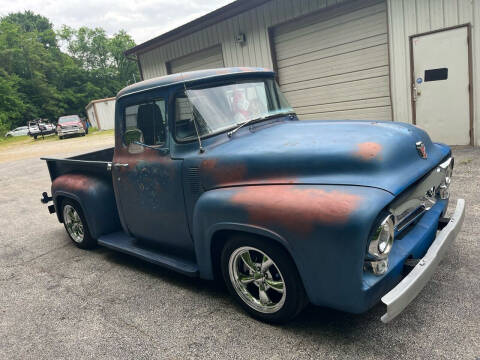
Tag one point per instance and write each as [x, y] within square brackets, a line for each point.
[57, 301]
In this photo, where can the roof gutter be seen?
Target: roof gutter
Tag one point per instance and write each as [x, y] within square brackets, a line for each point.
[223, 13]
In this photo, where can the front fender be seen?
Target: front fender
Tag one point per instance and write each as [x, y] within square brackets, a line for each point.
[325, 229]
[96, 198]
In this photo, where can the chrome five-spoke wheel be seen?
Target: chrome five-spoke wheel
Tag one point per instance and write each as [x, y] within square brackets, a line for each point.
[73, 223]
[257, 279]
[261, 275]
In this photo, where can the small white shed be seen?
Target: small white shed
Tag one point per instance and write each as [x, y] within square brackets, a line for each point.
[101, 113]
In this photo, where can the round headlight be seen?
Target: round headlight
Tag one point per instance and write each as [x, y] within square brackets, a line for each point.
[382, 239]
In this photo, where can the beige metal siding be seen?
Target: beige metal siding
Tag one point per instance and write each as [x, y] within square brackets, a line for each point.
[411, 17]
[253, 23]
[334, 65]
[206, 59]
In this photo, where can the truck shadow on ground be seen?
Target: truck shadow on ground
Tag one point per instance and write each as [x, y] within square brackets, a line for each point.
[312, 320]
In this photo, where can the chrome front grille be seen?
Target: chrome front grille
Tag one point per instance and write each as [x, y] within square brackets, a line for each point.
[419, 198]
[411, 216]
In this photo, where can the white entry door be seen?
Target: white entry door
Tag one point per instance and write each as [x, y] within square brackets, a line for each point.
[441, 85]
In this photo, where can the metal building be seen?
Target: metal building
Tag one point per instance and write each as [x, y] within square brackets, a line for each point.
[403, 60]
[101, 113]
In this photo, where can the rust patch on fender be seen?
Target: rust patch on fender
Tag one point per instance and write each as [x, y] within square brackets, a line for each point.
[368, 150]
[209, 164]
[227, 173]
[296, 208]
[72, 182]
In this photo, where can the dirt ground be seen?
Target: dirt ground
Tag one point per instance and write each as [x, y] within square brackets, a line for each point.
[28, 148]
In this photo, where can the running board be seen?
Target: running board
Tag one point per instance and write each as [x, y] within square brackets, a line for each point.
[123, 243]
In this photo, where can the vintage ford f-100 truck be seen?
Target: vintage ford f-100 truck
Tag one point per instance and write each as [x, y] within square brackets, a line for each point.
[212, 174]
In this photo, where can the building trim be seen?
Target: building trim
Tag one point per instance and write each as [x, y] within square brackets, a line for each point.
[470, 72]
[389, 47]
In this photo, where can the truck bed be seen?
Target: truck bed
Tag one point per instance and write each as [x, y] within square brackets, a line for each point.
[97, 163]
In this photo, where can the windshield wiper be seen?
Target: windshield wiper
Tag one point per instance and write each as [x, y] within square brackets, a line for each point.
[240, 125]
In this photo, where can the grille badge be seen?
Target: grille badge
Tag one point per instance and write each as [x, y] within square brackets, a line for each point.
[422, 152]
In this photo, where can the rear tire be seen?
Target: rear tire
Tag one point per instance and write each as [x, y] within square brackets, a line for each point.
[262, 277]
[76, 225]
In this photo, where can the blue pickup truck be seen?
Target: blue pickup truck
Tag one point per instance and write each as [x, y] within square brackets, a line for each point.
[213, 175]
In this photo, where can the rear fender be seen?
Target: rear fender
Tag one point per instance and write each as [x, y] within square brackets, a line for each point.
[95, 197]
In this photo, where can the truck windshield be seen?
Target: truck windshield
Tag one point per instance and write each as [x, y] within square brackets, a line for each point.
[219, 108]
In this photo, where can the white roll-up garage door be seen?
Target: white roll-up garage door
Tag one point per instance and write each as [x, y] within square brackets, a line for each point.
[211, 58]
[334, 65]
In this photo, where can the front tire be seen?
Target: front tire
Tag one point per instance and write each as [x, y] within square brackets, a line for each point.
[262, 277]
[76, 225]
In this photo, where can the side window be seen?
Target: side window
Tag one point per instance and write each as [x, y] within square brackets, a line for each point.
[149, 118]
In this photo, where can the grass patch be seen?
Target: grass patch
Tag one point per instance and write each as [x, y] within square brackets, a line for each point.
[27, 140]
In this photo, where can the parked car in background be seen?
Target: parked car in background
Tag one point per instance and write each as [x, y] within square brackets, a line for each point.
[20, 131]
[70, 125]
[40, 127]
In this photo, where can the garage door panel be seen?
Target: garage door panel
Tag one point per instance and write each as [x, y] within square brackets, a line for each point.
[337, 79]
[376, 113]
[334, 51]
[351, 32]
[326, 20]
[363, 89]
[335, 65]
[345, 105]
[205, 59]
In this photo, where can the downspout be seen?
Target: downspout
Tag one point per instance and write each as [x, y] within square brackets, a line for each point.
[137, 60]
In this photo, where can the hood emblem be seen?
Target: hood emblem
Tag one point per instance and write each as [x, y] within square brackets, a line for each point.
[421, 149]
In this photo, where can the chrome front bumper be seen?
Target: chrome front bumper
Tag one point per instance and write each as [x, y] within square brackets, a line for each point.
[401, 295]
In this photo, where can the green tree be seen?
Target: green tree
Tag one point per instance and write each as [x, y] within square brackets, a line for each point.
[11, 104]
[38, 79]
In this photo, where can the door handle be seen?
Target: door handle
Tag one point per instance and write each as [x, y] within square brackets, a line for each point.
[415, 93]
[119, 165]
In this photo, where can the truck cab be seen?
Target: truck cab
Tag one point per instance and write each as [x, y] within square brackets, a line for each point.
[214, 176]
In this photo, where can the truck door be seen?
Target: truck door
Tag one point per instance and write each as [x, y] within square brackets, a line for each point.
[148, 181]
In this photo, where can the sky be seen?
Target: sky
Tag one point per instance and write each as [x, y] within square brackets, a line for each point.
[142, 19]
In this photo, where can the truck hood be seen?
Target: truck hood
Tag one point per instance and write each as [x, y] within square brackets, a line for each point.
[364, 153]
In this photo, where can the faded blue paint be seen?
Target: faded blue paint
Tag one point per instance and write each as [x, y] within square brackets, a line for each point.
[353, 168]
